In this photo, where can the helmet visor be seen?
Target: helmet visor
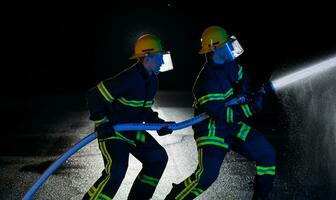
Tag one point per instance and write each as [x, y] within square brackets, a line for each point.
[232, 48]
[168, 63]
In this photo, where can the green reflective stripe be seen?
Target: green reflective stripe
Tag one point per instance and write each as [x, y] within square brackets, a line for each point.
[197, 191]
[119, 136]
[91, 191]
[101, 121]
[203, 138]
[211, 140]
[194, 183]
[229, 115]
[243, 132]
[265, 168]
[263, 173]
[108, 97]
[215, 97]
[100, 187]
[132, 103]
[211, 128]
[140, 136]
[111, 138]
[149, 180]
[123, 137]
[246, 109]
[240, 72]
[187, 181]
[143, 138]
[149, 104]
[261, 170]
[107, 157]
[102, 184]
[135, 103]
[149, 183]
[200, 144]
[103, 197]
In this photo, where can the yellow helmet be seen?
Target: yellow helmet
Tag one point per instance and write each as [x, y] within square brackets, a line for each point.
[146, 44]
[213, 36]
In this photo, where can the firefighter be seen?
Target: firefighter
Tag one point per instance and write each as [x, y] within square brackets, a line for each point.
[222, 91]
[127, 98]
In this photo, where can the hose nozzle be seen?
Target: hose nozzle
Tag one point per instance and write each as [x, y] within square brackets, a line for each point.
[268, 88]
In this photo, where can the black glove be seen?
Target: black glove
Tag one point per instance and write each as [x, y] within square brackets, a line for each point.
[262, 90]
[165, 130]
[105, 131]
[267, 89]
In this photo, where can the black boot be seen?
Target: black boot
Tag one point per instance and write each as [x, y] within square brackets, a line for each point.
[172, 194]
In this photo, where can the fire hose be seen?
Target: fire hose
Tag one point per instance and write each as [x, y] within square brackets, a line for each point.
[92, 136]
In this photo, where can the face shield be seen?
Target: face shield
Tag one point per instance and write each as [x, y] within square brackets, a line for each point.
[168, 64]
[232, 49]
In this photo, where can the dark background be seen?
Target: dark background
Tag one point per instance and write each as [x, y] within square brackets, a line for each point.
[61, 47]
[54, 51]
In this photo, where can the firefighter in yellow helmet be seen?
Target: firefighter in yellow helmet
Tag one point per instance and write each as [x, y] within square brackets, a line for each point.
[127, 98]
[222, 91]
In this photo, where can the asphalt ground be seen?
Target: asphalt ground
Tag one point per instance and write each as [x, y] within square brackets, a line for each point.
[39, 129]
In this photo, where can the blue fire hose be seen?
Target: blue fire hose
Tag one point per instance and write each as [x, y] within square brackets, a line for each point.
[92, 136]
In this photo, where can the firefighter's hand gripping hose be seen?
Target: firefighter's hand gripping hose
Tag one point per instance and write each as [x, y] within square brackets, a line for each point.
[92, 136]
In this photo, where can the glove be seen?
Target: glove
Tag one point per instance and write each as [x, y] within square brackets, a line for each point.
[262, 91]
[165, 130]
[105, 131]
[267, 89]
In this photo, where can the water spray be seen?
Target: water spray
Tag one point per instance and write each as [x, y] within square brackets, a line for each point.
[276, 85]
[309, 71]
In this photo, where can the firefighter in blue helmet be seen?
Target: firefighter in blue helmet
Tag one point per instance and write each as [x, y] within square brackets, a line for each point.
[127, 98]
[222, 91]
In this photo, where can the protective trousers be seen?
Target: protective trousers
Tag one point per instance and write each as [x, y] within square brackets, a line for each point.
[115, 152]
[210, 158]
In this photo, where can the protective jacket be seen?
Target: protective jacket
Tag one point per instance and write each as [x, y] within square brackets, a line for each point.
[124, 98]
[215, 86]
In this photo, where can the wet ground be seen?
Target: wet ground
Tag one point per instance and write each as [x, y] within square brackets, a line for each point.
[36, 130]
